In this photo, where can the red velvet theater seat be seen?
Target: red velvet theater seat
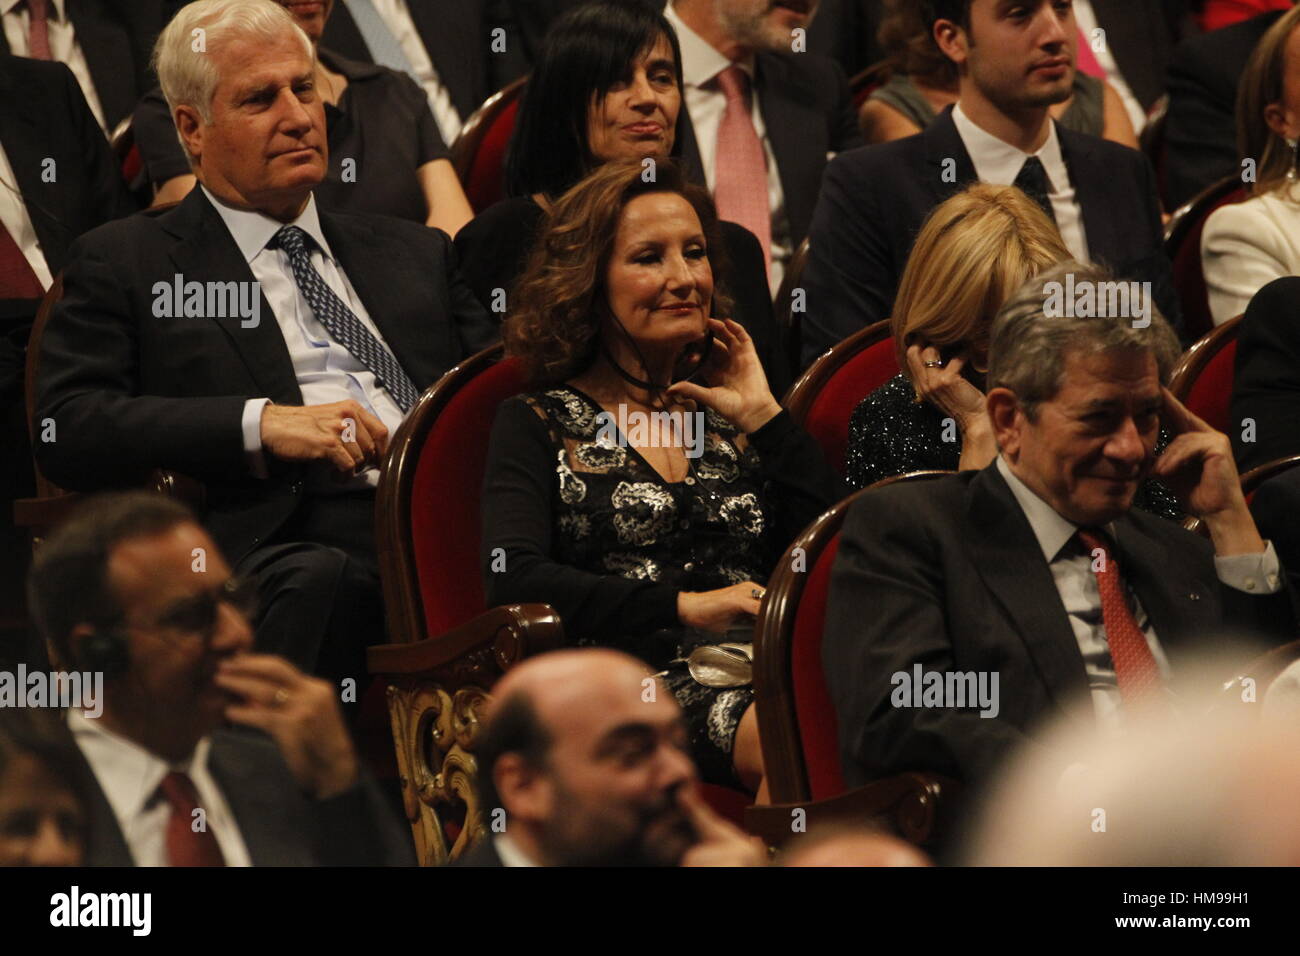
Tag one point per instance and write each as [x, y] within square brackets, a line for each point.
[796, 718]
[1203, 378]
[1183, 246]
[823, 398]
[479, 152]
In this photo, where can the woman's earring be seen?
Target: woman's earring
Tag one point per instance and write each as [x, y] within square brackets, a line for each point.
[1292, 144]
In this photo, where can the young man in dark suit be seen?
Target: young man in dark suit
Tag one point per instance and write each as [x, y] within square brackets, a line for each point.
[1015, 62]
[252, 342]
[1265, 409]
[796, 112]
[117, 592]
[967, 610]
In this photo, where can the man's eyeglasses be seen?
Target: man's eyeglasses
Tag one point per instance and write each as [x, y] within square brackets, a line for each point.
[198, 613]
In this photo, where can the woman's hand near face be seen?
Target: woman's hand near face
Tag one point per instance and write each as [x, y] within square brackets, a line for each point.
[947, 390]
[740, 393]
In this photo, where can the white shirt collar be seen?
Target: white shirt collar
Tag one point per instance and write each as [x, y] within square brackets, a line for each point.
[1000, 163]
[509, 852]
[56, 8]
[128, 774]
[1052, 531]
[252, 230]
[701, 63]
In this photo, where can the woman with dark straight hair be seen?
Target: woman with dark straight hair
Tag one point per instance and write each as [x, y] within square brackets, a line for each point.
[606, 86]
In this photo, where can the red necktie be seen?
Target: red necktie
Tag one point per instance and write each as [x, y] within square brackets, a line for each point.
[740, 189]
[185, 845]
[17, 280]
[1136, 670]
[38, 30]
[1085, 61]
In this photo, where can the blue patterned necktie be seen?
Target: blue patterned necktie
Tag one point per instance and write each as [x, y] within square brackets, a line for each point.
[383, 45]
[342, 323]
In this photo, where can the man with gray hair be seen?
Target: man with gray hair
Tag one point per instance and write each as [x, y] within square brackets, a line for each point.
[1035, 574]
[252, 341]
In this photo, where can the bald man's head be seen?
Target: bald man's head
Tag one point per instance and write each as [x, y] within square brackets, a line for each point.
[855, 847]
[585, 753]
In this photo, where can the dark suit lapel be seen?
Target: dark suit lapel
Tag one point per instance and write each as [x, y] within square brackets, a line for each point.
[206, 252]
[455, 36]
[105, 845]
[946, 158]
[102, 41]
[369, 264]
[1003, 547]
[20, 130]
[1100, 219]
[258, 810]
[791, 119]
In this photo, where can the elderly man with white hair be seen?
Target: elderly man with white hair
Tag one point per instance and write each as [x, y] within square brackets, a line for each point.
[252, 341]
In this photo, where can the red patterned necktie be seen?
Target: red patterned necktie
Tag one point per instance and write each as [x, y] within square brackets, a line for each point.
[17, 280]
[1136, 670]
[187, 846]
[38, 30]
[740, 180]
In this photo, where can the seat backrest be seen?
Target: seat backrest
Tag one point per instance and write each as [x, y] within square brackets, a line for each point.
[866, 82]
[1183, 246]
[44, 487]
[1252, 479]
[824, 397]
[428, 501]
[796, 719]
[1151, 142]
[479, 152]
[1203, 377]
[784, 309]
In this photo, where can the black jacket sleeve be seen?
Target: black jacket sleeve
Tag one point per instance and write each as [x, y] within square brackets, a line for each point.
[518, 528]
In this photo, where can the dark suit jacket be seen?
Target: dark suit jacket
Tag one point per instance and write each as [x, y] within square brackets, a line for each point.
[1140, 35]
[281, 826]
[130, 391]
[1201, 131]
[457, 37]
[484, 854]
[808, 113]
[116, 39]
[1266, 381]
[875, 199]
[948, 573]
[1276, 505]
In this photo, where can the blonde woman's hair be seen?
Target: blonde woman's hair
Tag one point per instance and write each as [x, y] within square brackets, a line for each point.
[186, 74]
[972, 252]
[1261, 85]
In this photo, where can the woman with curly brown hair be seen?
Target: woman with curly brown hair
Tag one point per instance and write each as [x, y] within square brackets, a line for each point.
[644, 503]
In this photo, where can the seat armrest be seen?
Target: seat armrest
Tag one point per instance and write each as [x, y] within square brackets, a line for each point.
[508, 633]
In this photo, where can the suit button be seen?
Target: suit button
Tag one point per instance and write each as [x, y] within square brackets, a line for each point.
[296, 487]
[1194, 596]
[688, 566]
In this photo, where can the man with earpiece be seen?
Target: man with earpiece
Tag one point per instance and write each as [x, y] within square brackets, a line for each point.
[133, 588]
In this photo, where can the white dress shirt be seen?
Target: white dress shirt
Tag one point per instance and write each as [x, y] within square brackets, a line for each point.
[705, 102]
[398, 19]
[509, 851]
[130, 776]
[326, 371]
[1071, 568]
[63, 45]
[14, 217]
[1247, 245]
[1000, 163]
[1086, 19]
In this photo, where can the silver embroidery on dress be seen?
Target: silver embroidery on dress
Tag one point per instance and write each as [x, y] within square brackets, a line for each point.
[643, 512]
[633, 566]
[572, 488]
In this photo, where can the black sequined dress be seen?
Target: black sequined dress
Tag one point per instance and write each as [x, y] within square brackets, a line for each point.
[891, 434]
[582, 522]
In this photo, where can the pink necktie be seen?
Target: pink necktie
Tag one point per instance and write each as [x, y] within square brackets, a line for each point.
[1085, 61]
[38, 30]
[740, 189]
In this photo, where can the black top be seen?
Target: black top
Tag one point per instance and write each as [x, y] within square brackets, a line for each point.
[586, 525]
[492, 250]
[891, 434]
[382, 124]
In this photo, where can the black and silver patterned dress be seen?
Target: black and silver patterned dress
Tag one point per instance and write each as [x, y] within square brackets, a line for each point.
[575, 518]
[891, 434]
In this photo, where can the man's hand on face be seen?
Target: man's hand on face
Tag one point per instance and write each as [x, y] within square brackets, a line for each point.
[1199, 468]
[342, 433]
[301, 713]
[720, 843]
